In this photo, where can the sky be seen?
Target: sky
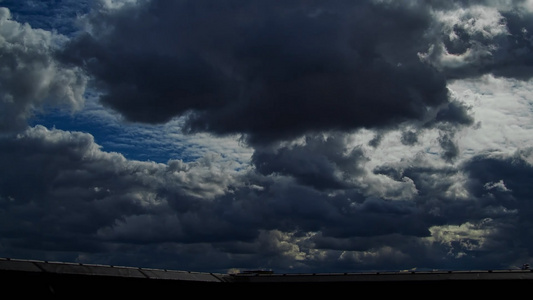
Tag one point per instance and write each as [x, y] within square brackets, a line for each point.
[293, 136]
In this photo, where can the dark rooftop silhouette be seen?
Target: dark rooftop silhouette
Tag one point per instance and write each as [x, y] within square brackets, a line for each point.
[51, 278]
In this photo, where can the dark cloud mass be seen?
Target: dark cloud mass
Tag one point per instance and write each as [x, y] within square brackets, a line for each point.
[270, 71]
[358, 152]
[321, 162]
[84, 199]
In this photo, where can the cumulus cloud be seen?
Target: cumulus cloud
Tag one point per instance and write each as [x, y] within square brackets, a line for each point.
[324, 162]
[62, 185]
[482, 38]
[267, 71]
[65, 184]
[382, 134]
[31, 78]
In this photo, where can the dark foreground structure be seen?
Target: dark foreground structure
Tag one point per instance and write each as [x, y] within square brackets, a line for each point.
[41, 278]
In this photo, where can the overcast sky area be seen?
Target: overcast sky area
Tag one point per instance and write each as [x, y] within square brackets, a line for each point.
[293, 136]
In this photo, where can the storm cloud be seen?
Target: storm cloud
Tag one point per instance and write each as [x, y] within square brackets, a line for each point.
[84, 199]
[303, 136]
[269, 71]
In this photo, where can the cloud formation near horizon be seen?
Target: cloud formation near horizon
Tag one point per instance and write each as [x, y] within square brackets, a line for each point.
[373, 134]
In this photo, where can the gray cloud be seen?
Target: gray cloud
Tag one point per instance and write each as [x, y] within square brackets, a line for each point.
[295, 80]
[482, 37]
[31, 78]
[61, 185]
[268, 71]
[65, 195]
[324, 162]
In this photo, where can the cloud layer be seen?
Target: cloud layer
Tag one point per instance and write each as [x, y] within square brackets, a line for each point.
[332, 136]
[271, 71]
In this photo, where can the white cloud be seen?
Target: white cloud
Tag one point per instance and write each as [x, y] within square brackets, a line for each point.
[459, 239]
[30, 78]
[501, 108]
[499, 186]
[473, 29]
